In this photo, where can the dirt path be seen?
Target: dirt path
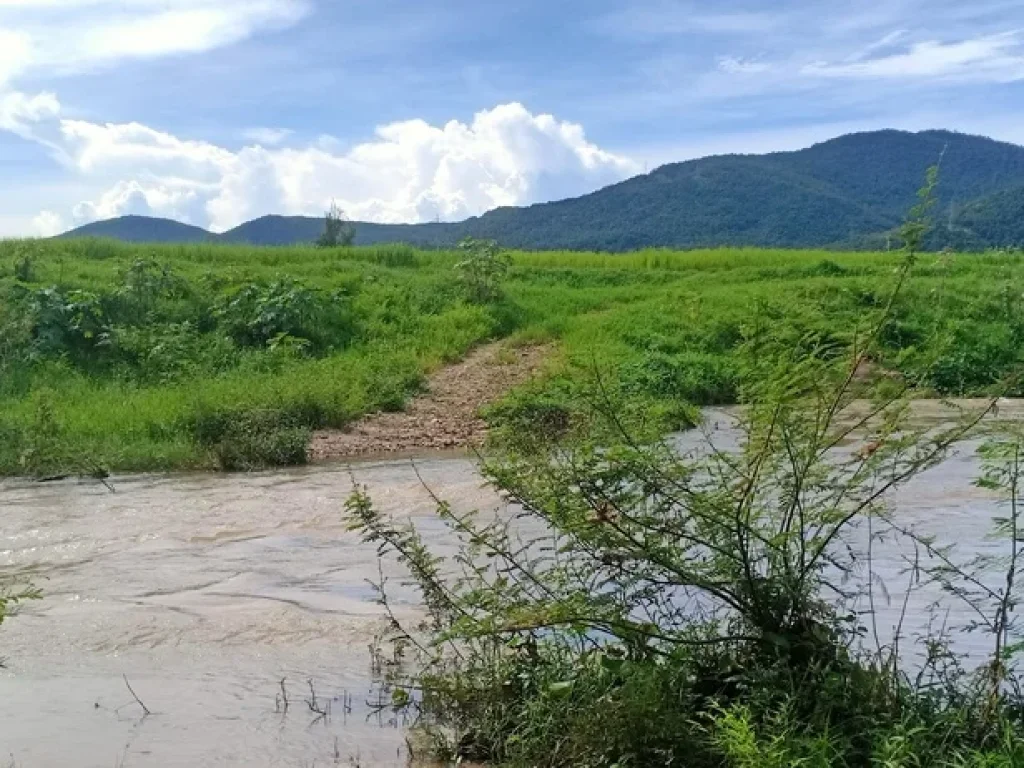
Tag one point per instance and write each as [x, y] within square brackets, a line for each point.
[445, 416]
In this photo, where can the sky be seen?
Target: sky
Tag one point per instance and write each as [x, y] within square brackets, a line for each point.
[214, 112]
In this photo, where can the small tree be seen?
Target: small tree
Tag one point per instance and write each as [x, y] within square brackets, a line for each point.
[339, 232]
[482, 270]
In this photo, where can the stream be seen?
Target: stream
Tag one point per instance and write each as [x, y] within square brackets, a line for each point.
[206, 591]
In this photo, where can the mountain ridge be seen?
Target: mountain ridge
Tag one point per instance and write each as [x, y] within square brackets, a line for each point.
[850, 191]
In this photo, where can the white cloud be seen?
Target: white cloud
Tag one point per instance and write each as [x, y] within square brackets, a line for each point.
[671, 18]
[47, 224]
[192, 26]
[995, 58]
[410, 171]
[15, 54]
[54, 36]
[886, 42]
[267, 137]
[19, 112]
[176, 200]
[110, 147]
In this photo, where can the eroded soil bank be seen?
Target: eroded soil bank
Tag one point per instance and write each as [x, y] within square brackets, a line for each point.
[445, 416]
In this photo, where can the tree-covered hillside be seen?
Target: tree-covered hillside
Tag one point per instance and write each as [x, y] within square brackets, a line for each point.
[852, 191]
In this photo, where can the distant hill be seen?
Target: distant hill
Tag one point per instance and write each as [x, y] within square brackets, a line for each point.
[852, 191]
[288, 230]
[143, 229]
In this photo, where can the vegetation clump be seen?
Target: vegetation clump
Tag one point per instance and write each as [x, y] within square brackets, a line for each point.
[639, 606]
[482, 269]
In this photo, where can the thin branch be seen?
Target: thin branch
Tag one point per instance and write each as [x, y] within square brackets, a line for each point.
[145, 709]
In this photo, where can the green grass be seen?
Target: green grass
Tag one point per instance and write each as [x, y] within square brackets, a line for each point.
[123, 375]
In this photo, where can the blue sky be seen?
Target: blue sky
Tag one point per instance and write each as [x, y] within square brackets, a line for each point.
[216, 111]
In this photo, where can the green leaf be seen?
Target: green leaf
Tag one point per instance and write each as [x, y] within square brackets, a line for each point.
[612, 665]
[560, 690]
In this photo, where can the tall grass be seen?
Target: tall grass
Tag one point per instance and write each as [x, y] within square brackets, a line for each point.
[663, 326]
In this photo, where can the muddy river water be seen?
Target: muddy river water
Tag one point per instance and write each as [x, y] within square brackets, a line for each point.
[205, 591]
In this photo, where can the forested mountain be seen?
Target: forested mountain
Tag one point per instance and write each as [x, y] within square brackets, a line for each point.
[143, 229]
[852, 191]
[287, 230]
[994, 220]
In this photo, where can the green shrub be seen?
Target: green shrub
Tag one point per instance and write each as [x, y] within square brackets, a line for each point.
[531, 416]
[257, 314]
[165, 353]
[25, 269]
[245, 440]
[74, 324]
[482, 269]
[246, 450]
[700, 379]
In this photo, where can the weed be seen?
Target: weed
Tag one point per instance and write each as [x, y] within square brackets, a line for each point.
[482, 270]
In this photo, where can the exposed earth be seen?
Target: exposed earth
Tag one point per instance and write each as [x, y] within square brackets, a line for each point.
[445, 416]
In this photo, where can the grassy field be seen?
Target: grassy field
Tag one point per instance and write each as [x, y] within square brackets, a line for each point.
[124, 357]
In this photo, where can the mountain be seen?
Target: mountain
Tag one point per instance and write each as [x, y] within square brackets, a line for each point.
[288, 230]
[852, 191]
[996, 220]
[143, 229]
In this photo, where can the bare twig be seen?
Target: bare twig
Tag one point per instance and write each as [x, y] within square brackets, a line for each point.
[282, 698]
[320, 708]
[145, 709]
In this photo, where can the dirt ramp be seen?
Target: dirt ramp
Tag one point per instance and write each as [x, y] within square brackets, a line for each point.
[445, 416]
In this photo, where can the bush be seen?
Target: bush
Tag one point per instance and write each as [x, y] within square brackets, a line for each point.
[72, 324]
[394, 255]
[165, 353]
[529, 417]
[245, 449]
[25, 269]
[483, 268]
[257, 314]
[700, 379]
[246, 440]
[145, 287]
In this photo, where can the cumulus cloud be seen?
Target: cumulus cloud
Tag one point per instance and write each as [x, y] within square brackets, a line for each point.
[181, 201]
[95, 147]
[409, 171]
[47, 224]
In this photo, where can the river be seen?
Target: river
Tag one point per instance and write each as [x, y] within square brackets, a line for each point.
[205, 591]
